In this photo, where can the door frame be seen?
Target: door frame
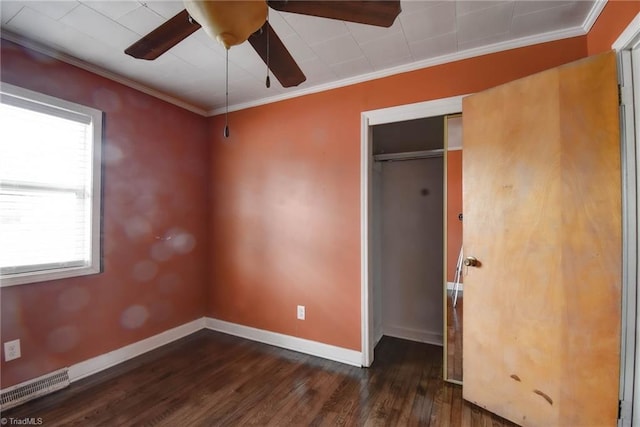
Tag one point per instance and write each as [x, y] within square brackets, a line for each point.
[630, 152]
[368, 119]
[627, 46]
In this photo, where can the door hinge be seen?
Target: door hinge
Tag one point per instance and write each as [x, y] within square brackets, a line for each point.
[619, 94]
[624, 410]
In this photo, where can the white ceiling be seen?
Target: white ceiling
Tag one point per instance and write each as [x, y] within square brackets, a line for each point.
[331, 53]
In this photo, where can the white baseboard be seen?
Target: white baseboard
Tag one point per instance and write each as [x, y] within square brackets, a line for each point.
[314, 348]
[410, 334]
[104, 361]
[115, 357]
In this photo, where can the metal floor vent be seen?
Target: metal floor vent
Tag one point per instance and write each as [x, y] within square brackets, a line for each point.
[23, 392]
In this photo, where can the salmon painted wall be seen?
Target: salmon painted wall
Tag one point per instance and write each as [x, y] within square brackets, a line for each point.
[282, 225]
[454, 207]
[613, 19]
[285, 194]
[155, 186]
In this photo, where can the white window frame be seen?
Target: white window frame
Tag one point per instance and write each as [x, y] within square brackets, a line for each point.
[42, 103]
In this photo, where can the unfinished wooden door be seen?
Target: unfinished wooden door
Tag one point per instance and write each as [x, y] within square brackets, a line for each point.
[542, 214]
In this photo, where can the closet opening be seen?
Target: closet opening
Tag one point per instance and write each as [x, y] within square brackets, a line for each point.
[408, 229]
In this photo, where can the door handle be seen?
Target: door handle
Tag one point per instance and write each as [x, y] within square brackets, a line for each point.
[471, 261]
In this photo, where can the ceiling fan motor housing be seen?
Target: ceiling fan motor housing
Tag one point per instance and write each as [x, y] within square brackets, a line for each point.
[229, 22]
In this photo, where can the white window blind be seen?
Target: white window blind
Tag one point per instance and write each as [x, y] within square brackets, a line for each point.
[49, 188]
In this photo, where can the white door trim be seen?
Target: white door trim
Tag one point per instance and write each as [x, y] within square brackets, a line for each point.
[400, 113]
[628, 38]
[627, 46]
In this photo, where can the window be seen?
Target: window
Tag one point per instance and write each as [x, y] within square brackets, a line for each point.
[50, 174]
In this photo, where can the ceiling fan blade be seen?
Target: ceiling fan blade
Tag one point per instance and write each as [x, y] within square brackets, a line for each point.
[280, 61]
[164, 37]
[381, 13]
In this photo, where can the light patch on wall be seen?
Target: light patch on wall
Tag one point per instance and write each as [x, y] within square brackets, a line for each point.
[134, 317]
[62, 339]
[74, 299]
[146, 201]
[161, 251]
[136, 227]
[143, 271]
[181, 241]
[112, 155]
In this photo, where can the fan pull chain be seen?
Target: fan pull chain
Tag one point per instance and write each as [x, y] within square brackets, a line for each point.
[226, 114]
[268, 82]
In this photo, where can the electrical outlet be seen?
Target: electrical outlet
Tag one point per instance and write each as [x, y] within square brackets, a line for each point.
[301, 313]
[11, 350]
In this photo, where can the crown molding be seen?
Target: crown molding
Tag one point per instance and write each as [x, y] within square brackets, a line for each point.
[629, 37]
[45, 50]
[578, 31]
[431, 62]
[593, 15]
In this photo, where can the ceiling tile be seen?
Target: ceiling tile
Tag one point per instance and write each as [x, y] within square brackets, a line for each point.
[383, 63]
[236, 73]
[298, 48]
[206, 97]
[141, 69]
[98, 26]
[245, 87]
[327, 50]
[548, 20]
[165, 8]
[53, 9]
[363, 33]
[38, 27]
[339, 49]
[387, 51]
[353, 67]
[141, 20]
[524, 7]
[9, 9]
[434, 47]
[97, 53]
[487, 41]
[113, 9]
[207, 41]
[430, 22]
[245, 57]
[411, 6]
[210, 81]
[192, 51]
[473, 6]
[485, 23]
[279, 24]
[315, 30]
[169, 80]
[316, 70]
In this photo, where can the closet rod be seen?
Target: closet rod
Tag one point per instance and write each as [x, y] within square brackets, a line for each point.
[409, 155]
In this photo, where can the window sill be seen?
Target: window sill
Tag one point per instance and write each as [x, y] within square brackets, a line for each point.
[46, 275]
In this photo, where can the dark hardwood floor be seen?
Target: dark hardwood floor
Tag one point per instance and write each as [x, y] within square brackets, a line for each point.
[213, 379]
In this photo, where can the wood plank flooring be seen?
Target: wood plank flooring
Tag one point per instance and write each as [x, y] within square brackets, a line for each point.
[213, 379]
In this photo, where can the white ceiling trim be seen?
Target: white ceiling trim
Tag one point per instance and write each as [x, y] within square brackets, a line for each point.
[40, 48]
[593, 15]
[431, 62]
[466, 54]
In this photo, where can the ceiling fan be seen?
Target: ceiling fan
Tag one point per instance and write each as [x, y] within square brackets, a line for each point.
[233, 22]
